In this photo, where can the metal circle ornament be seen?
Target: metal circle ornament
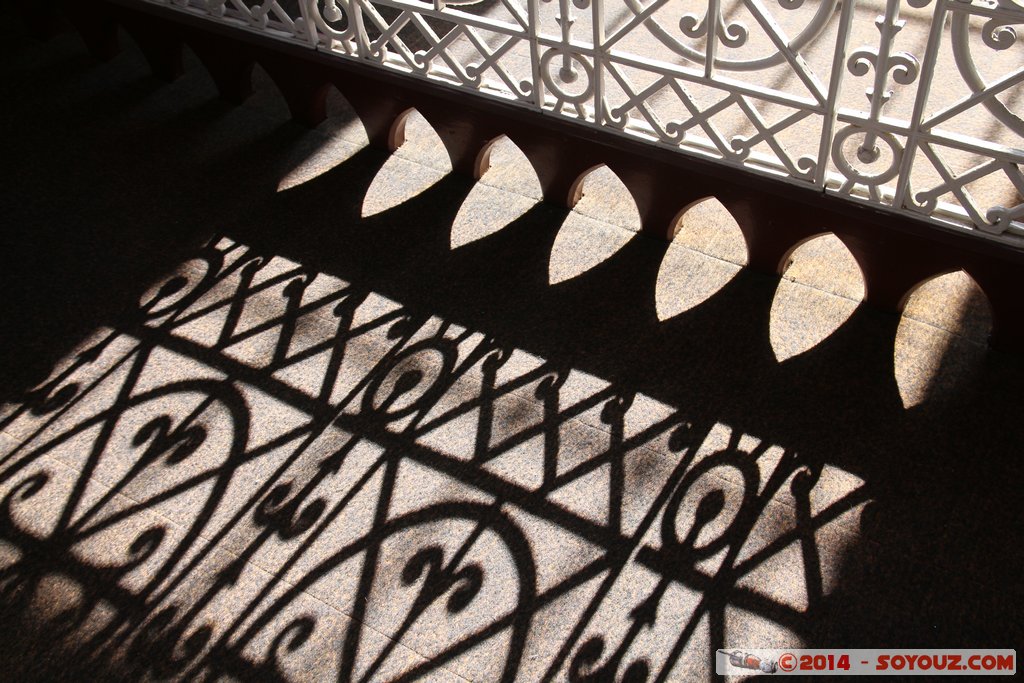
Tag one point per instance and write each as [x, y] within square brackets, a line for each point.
[867, 154]
[568, 74]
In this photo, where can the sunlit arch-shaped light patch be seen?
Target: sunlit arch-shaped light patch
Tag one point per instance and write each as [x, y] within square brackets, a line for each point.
[267, 96]
[820, 288]
[333, 142]
[707, 252]
[508, 188]
[419, 161]
[941, 337]
[604, 220]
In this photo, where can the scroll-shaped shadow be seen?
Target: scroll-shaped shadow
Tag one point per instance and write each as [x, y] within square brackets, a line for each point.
[313, 443]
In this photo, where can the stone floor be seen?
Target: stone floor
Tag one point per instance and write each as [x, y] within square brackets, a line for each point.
[276, 405]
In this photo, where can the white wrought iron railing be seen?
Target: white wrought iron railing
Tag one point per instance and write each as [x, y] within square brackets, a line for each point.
[910, 105]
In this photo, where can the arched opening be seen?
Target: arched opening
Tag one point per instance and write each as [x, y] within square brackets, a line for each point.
[820, 288]
[942, 336]
[603, 221]
[706, 253]
[413, 138]
[599, 194]
[419, 161]
[507, 168]
[342, 120]
[507, 189]
[194, 70]
[129, 46]
[266, 95]
[334, 141]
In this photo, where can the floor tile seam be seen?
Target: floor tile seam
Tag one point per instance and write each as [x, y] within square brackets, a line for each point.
[740, 582]
[822, 290]
[711, 257]
[18, 441]
[282, 581]
[318, 313]
[901, 315]
[963, 337]
[356, 147]
[522, 395]
[344, 612]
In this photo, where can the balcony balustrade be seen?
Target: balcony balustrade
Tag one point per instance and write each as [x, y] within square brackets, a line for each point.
[912, 106]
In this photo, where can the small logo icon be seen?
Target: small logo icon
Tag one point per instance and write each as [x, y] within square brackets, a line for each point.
[787, 662]
[744, 660]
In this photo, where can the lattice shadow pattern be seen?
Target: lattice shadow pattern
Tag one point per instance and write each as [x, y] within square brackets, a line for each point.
[329, 446]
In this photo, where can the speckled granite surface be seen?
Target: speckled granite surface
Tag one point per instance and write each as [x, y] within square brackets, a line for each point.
[278, 406]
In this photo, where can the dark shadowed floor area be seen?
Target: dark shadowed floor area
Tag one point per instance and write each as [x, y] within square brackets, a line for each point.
[279, 406]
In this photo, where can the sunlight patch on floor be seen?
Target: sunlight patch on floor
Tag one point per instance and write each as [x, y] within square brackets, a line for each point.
[510, 170]
[592, 456]
[398, 181]
[422, 144]
[506, 191]
[332, 143]
[583, 243]
[820, 289]
[606, 199]
[414, 167]
[327, 155]
[601, 223]
[706, 254]
[486, 211]
[941, 336]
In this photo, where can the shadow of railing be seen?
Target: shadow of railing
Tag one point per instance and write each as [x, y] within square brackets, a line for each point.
[329, 446]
